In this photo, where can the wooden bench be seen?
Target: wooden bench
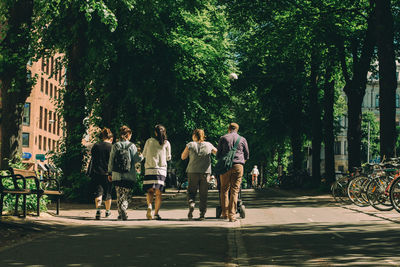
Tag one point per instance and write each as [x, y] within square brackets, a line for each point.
[43, 186]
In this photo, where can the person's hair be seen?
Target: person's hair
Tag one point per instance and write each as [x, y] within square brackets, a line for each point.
[124, 131]
[161, 134]
[233, 127]
[199, 133]
[106, 134]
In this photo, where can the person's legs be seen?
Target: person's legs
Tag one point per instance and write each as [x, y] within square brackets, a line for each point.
[203, 194]
[224, 193]
[98, 201]
[235, 183]
[158, 201]
[107, 203]
[107, 193]
[122, 201]
[193, 183]
[98, 195]
[149, 199]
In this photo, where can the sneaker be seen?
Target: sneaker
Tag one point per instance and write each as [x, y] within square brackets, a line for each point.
[98, 215]
[108, 213]
[202, 218]
[123, 218]
[157, 217]
[149, 215]
[191, 209]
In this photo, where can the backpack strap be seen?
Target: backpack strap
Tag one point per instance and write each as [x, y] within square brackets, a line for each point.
[130, 144]
[236, 143]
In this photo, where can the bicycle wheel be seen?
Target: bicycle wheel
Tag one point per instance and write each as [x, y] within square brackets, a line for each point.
[395, 194]
[339, 190]
[378, 197]
[355, 191]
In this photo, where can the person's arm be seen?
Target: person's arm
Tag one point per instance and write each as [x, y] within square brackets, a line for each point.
[111, 163]
[214, 150]
[219, 148]
[245, 150]
[135, 154]
[146, 145]
[185, 153]
[168, 151]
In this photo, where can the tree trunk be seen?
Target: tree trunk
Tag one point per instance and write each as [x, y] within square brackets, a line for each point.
[387, 78]
[354, 130]
[329, 138]
[297, 144]
[15, 87]
[75, 101]
[355, 91]
[315, 109]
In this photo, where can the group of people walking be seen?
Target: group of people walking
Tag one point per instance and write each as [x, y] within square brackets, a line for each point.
[114, 164]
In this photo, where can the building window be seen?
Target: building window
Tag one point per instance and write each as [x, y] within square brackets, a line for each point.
[50, 120]
[40, 117]
[49, 146]
[54, 121]
[377, 101]
[56, 70]
[345, 148]
[51, 90]
[44, 143]
[58, 126]
[341, 168]
[43, 63]
[47, 88]
[397, 101]
[45, 119]
[338, 148]
[41, 84]
[47, 65]
[54, 145]
[40, 142]
[55, 92]
[52, 65]
[26, 119]
[25, 139]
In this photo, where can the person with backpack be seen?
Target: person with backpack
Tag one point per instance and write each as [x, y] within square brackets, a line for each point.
[231, 177]
[156, 152]
[98, 171]
[198, 170]
[124, 155]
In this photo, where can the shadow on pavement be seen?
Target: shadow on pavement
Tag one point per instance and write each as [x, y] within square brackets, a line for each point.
[164, 245]
[322, 245]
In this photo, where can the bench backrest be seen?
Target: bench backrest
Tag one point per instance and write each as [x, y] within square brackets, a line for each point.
[24, 172]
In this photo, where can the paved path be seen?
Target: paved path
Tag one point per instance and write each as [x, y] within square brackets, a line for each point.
[280, 229]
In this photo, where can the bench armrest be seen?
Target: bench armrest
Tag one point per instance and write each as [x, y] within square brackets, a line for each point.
[53, 179]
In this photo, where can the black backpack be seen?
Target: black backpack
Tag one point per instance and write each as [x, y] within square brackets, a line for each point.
[122, 159]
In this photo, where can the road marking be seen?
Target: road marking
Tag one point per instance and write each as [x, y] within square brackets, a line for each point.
[236, 249]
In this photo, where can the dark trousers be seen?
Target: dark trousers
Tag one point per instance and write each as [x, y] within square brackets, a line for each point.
[198, 181]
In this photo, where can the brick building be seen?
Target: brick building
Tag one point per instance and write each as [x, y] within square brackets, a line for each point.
[42, 126]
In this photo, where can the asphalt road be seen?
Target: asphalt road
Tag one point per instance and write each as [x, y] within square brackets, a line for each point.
[280, 229]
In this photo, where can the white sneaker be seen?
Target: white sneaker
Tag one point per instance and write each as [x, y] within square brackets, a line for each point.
[149, 214]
